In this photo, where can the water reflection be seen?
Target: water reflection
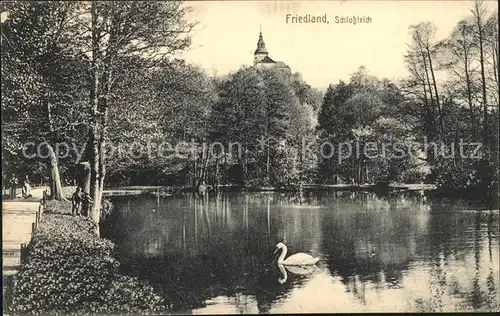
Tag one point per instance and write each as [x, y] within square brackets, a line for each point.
[213, 254]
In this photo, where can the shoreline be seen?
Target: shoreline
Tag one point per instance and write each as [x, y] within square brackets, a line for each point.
[133, 190]
[481, 195]
[65, 256]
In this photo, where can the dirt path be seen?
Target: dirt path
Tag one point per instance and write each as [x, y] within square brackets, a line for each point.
[18, 216]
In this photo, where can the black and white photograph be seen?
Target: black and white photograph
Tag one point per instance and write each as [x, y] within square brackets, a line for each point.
[250, 157]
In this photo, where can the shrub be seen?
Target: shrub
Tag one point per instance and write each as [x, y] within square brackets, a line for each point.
[69, 270]
[58, 207]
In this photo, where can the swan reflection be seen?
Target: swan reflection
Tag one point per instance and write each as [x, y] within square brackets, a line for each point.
[282, 279]
[298, 270]
[301, 270]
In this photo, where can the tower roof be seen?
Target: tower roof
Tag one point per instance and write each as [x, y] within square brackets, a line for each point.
[261, 46]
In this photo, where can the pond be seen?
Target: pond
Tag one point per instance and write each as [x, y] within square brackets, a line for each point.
[214, 254]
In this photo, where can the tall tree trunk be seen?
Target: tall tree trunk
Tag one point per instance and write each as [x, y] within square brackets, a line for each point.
[94, 178]
[429, 116]
[438, 104]
[103, 114]
[479, 19]
[496, 61]
[83, 178]
[268, 159]
[428, 82]
[55, 179]
[194, 170]
[104, 103]
[465, 47]
[94, 131]
[102, 168]
[225, 168]
[431, 69]
[205, 168]
[245, 167]
[483, 83]
[217, 182]
[496, 73]
[424, 52]
[469, 99]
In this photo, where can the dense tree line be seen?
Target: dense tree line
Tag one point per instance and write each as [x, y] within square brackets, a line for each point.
[104, 76]
[65, 66]
[422, 110]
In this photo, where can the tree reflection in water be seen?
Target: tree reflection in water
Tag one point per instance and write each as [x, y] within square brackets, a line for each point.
[431, 256]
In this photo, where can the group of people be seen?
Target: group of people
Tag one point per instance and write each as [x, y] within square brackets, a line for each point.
[81, 202]
[25, 188]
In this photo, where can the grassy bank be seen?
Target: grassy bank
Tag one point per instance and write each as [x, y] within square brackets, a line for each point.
[69, 270]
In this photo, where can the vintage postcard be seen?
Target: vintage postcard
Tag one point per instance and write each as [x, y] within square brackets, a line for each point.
[247, 157]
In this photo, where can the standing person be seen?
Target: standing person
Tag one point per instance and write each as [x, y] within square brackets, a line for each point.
[26, 192]
[86, 204]
[13, 185]
[77, 201]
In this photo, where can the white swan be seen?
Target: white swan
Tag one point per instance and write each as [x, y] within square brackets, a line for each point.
[298, 259]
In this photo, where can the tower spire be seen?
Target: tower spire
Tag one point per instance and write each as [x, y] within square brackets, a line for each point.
[261, 46]
[261, 51]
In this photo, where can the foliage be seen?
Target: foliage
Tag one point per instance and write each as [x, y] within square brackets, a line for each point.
[367, 112]
[144, 95]
[270, 114]
[70, 270]
[464, 108]
[423, 109]
[43, 82]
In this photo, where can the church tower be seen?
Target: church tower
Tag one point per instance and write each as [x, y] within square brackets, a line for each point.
[261, 51]
[262, 60]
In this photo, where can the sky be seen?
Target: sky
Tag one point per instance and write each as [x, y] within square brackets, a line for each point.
[227, 33]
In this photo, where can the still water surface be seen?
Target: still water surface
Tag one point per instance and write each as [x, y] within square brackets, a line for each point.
[393, 254]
